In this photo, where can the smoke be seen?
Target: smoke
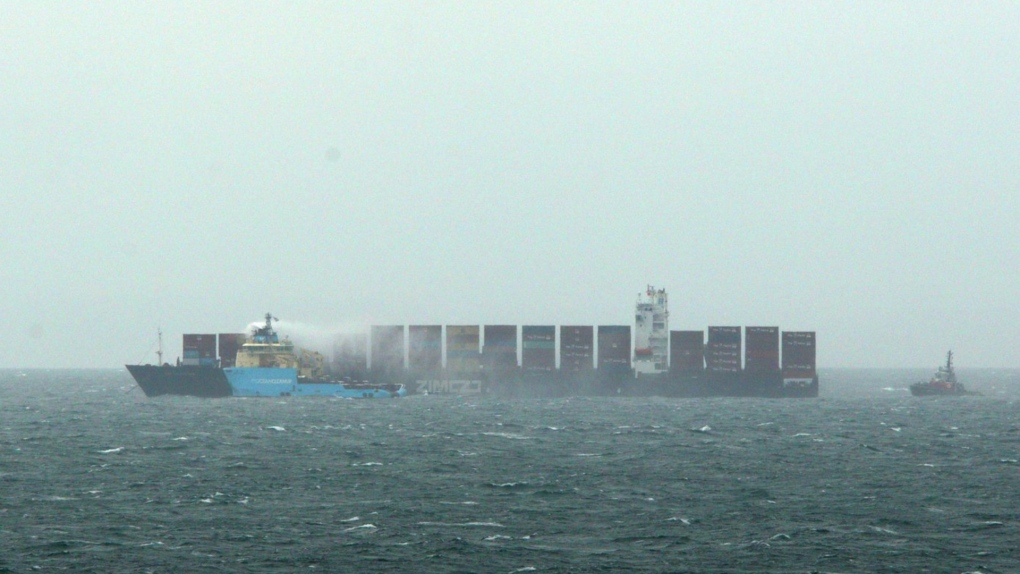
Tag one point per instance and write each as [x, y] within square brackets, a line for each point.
[311, 337]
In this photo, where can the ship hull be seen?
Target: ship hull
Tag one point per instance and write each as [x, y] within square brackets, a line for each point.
[194, 381]
[214, 382]
[923, 390]
[284, 382]
[556, 384]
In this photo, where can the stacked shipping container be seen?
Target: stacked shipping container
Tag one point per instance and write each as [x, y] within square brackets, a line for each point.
[462, 349]
[199, 350]
[686, 351]
[387, 348]
[577, 348]
[798, 354]
[723, 352]
[425, 348]
[614, 348]
[350, 355]
[500, 350]
[539, 347]
[230, 344]
[761, 349]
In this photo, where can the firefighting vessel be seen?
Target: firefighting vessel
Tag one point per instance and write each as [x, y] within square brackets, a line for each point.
[943, 383]
[267, 366]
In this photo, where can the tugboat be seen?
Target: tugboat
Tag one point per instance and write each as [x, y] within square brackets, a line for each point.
[943, 383]
[267, 366]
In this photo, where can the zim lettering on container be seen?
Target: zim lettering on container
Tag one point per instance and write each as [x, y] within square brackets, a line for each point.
[450, 387]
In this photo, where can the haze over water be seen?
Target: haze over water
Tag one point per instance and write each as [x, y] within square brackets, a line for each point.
[848, 169]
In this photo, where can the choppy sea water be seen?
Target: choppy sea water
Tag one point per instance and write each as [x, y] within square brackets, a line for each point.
[94, 477]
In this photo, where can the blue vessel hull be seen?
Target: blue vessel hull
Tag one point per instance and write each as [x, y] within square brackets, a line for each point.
[280, 382]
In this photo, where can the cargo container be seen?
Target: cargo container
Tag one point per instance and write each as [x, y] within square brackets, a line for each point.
[387, 354]
[425, 348]
[350, 355]
[722, 354]
[761, 349]
[199, 349]
[462, 354]
[686, 351]
[614, 348]
[798, 354]
[204, 344]
[538, 351]
[724, 335]
[229, 344]
[499, 351]
[577, 348]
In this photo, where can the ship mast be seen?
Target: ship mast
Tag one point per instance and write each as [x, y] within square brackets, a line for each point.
[159, 348]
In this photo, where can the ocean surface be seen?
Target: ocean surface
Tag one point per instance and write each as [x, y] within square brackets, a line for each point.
[94, 477]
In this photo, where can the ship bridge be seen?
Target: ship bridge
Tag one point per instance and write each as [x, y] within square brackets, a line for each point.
[651, 332]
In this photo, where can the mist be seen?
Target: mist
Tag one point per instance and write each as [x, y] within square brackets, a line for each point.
[843, 168]
[312, 337]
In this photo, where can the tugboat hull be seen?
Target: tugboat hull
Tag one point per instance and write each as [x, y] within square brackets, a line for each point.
[924, 390]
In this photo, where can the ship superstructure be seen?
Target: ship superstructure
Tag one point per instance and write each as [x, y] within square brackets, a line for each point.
[264, 349]
[651, 332]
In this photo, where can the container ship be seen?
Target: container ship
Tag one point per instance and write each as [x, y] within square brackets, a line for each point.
[646, 359]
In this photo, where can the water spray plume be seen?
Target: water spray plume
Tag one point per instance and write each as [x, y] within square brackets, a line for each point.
[314, 337]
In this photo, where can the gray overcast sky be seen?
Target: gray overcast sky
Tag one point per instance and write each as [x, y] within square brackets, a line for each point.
[849, 168]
